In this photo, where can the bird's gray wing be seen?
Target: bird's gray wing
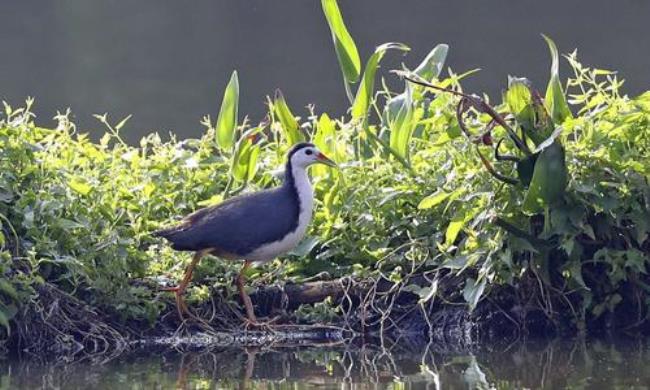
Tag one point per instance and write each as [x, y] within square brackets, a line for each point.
[241, 224]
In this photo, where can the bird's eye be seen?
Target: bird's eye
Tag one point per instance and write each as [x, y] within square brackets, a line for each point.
[309, 152]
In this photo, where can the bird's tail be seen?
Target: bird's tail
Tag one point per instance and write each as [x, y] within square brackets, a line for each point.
[166, 232]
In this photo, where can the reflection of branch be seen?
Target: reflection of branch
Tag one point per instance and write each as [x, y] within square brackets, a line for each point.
[248, 371]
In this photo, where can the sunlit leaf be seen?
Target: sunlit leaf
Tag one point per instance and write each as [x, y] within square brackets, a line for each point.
[346, 50]
[365, 92]
[403, 123]
[432, 65]
[520, 102]
[454, 227]
[433, 200]
[555, 100]
[80, 186]
[290, 126]
[227, 119]
[244, 163]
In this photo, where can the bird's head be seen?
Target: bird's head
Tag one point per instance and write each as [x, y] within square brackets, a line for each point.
[305, 154]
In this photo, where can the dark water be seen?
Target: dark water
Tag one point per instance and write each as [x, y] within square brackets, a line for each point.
[167, 62]
[549, 365]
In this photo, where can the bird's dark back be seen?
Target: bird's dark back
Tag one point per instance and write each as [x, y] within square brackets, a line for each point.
[239, 225]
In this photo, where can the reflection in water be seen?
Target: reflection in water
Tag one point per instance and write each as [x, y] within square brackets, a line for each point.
[549, 365]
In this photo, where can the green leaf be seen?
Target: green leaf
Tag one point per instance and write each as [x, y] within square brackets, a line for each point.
[549, 179]
[520, 103]
[227, 119]
[326, 140]
[119, 126]
[454, 227]
[346, 50]
[305, 246]
[79, 186]
[403, 124]
[473, 291]
[432, 65]
[364, 96]
[555, 100]
[8, 289]
[290, 126]
[525, 169]
[244, 165]
[433, 200]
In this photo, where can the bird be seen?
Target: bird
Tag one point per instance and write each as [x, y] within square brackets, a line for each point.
[254, 228]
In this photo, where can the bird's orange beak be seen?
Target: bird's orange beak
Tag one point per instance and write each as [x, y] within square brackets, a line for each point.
[323, 159]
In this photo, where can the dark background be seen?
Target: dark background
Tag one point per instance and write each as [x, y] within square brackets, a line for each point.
[167, 62]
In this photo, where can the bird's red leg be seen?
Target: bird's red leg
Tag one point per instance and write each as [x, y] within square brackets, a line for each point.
[180, 289]
[244, 297]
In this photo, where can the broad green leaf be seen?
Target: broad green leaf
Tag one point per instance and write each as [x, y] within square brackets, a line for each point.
[403, 123]
[8, 289]
[555, 100]
[454, 227]
[214, 199]
[290, 126]
[520, 103]
[364, 95]
[433, 200]
[346, 50]
[525, 169]
[549, 179]
[244, 164]
[227, 119]
[473, 291]
[80, 186]
[432, 65]
[326, 140]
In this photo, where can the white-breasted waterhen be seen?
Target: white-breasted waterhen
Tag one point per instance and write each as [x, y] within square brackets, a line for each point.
[255, 227]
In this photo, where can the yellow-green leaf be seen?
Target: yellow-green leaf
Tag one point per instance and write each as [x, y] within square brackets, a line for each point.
[364, 95]
[80, 186]
[433, 200]
[454, 227]
[346, 50]
[555, 100]
[290, 126]
[227, 119]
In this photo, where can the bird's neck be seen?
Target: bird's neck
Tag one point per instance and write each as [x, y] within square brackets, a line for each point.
[298, 179]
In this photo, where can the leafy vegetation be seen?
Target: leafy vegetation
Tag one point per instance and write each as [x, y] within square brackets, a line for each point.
[434, 182]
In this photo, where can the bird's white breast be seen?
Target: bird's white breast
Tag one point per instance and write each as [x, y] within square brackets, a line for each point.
[271, 250]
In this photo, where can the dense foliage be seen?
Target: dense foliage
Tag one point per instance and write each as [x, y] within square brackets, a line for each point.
[431, 182]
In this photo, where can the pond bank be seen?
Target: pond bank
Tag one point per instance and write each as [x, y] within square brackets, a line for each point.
[61, 325]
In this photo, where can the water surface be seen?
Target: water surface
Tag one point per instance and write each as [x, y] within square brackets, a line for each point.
[547, 365]
[167, 62]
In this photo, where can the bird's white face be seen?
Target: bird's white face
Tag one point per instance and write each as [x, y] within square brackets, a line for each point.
[310, 155]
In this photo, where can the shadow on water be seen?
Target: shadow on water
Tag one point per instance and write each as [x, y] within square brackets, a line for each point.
[541, 364]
